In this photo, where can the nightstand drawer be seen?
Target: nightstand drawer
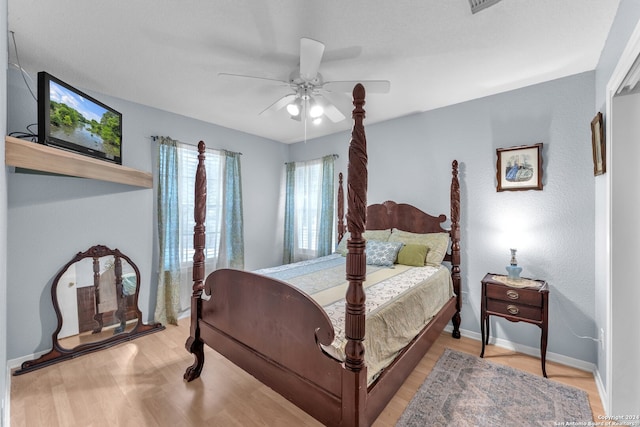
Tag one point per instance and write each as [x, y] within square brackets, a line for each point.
[516, 310]
[516, 295]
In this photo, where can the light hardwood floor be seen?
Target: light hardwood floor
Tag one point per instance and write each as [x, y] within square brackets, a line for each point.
[139, 383]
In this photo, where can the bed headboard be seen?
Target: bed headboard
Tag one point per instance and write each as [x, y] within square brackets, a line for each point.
[387, 215]
[405, 217]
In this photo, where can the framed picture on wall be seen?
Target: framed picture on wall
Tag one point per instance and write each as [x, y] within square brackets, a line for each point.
[519, 168]
[597, 143]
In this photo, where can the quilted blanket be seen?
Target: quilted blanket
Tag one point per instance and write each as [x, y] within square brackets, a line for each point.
[401, 300]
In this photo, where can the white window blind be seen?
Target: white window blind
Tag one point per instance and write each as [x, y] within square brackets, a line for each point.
[188, 163]
[308, 203]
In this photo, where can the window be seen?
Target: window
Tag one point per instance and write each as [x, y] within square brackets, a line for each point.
[308, 201]
[309, 210]
[187, 165]
[224, 237]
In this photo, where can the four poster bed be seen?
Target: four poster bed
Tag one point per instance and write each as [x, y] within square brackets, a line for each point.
[284, 336]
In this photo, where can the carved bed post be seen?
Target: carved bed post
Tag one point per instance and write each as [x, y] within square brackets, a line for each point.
[354, 386]
[341, 229]
[455, 246]
[194, 344]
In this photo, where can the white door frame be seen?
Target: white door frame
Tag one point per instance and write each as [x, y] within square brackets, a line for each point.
[625, 62]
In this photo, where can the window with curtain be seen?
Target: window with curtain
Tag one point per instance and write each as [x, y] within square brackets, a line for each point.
[187, 164]
[224, 243]
[309, 209]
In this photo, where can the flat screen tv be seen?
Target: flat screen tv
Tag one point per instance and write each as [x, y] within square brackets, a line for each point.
[74, 121]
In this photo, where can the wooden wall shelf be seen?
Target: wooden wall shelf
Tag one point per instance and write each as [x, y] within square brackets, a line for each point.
[38, 157]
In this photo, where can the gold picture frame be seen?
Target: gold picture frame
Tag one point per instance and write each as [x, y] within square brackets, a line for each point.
[519, 168]
[598, 145]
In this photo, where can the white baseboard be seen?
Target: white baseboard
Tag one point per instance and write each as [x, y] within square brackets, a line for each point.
[17, 362]
[531, 351]
[6, 410]
[602, 391]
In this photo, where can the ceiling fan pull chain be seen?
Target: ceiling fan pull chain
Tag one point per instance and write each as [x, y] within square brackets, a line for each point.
[305, 121]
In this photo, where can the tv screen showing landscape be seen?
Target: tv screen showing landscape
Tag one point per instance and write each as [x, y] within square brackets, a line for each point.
[70, 119]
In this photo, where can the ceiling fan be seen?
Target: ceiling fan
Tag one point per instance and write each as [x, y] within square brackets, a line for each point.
[311, 97]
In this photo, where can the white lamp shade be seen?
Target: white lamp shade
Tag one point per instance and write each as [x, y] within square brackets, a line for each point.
[316, 109]
[294, 108]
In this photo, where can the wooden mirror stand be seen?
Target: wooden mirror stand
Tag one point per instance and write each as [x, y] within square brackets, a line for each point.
[95, 297]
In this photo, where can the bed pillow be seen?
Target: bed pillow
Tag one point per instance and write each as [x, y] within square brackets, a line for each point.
[379, 235]
[437, 243]
[382, 253]
[342, 245]
[413, 255]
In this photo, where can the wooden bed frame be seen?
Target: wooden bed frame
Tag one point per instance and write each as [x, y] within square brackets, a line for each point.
[277, 333]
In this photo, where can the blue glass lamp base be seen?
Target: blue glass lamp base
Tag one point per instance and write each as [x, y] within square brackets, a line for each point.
[514, 271]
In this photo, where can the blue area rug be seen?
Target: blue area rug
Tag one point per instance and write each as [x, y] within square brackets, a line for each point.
[464, 390]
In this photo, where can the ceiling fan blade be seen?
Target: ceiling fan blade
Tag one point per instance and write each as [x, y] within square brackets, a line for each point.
[371, 86]
[330, 109]
[243, 76]
[311, 52]
[280, 103]
[332, 112]
[341, 101]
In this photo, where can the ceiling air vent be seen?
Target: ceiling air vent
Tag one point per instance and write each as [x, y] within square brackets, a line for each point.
[478, 5]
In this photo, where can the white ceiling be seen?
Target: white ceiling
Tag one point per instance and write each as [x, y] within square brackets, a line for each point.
[167, 54]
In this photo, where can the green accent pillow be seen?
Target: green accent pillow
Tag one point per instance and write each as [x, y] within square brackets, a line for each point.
[412, 254]
[438, 243]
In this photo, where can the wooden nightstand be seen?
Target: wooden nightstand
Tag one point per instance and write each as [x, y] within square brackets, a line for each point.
[529, 303]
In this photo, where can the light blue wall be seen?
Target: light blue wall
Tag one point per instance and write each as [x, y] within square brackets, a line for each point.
[410, 161]
[51, 218]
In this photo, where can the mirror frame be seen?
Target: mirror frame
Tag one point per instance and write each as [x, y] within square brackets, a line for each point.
[59, 353]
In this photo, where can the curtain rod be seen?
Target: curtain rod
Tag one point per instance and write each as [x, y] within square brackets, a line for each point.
[155, 138]
[335, 156]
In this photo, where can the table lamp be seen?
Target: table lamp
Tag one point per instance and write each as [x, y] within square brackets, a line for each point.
[512, 268]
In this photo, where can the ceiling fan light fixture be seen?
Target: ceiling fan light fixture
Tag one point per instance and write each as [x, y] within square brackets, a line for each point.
[315, 109]
[294, 108]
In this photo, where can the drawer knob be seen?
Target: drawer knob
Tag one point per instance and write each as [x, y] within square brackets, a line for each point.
[513, 309]
[512, 294]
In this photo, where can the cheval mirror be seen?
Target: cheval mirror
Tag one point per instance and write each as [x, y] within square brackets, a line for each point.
[95, 297]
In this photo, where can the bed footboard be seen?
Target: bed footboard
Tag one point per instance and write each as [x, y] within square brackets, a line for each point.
[275, 332]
